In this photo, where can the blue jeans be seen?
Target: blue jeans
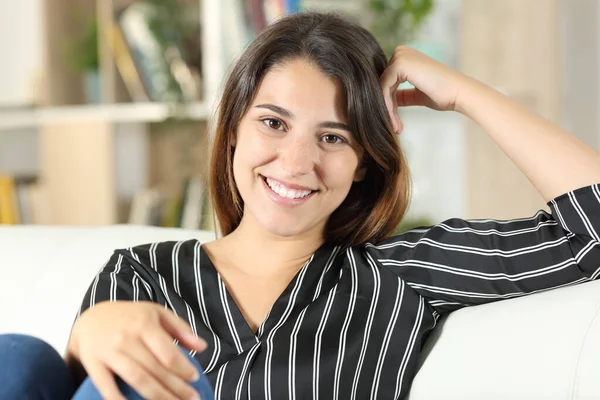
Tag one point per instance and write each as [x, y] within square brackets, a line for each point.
[31, 369]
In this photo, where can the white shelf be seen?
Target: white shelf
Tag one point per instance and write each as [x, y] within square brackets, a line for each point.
[109, 113]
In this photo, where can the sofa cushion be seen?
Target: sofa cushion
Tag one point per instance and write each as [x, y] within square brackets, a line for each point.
[46, 270]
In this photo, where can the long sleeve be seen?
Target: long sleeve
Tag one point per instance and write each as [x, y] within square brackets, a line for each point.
[459, 263]
[116, 280]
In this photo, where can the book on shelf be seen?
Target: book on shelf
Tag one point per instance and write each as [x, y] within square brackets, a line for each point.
[126, 64]
[160, 69]
[245, 19]
[143, 205]
[184, 210]
[9, 212]
[191, 216]
[272, 10]
[19, 200]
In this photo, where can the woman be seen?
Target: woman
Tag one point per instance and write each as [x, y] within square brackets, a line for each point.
[306, 295]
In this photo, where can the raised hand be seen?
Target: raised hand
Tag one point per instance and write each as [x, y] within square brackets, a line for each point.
[436, 85]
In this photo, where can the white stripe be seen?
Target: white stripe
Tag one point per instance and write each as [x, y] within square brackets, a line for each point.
[586, 249]
[438, 303]
[565, 264]
[228, 316]
[219, 382]
[386, 338]
[249, 357]
[292, 356]
[249, 383]
[475, 295]
[588, 225]
[559, 215]
[135, 284]
[161, 280]
[489, 252]
[497, 232]
[94, 291]
[295, 330]
[490, 276]
[113, 278]
[203, 312]
[596, 274]
[319, 339]
[175, 260]
[509, 221]
[261, 327]
[596, 191]
[345, 325]
[409, 349]
[175, 264]
[328, 265]
[286, 313]
[146, 285]
[369, 324]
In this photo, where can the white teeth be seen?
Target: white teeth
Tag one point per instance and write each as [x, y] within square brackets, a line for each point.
[288, 193]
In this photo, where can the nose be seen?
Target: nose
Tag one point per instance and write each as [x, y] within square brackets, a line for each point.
[297, 156]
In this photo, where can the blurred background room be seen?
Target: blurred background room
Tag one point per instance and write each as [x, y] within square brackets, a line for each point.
[106, 105]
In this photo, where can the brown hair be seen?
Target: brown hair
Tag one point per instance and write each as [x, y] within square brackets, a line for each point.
[349, 53]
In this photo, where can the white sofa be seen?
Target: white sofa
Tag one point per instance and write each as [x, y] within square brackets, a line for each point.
[544, 346]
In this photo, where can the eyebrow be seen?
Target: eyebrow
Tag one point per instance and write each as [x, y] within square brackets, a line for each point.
[288, 114]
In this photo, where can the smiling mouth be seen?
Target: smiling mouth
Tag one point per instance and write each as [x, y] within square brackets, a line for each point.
[282, 191]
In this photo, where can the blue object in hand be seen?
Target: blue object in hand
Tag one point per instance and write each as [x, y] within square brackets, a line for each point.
[87, 390]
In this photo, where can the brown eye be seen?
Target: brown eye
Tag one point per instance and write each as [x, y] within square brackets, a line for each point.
[273, 123]
[332, 139]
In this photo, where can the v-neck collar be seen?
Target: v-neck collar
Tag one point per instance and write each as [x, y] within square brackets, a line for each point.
[315, 277]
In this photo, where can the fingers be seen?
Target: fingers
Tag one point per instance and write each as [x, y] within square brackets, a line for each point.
[139, 378]
[179, 329]
[169, 355]
[391, 78]
[390, 102]
[167, 377]
[104, 381]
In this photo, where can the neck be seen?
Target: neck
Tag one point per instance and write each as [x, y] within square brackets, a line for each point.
[265, 254]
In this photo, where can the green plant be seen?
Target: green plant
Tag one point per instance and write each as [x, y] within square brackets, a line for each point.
[83, 52]
[395, 22]
[174, 25]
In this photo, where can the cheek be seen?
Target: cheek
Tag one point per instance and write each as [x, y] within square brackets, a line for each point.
[340, 172]
[251, 151]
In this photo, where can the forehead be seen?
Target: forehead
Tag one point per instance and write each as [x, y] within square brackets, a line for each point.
[301, 86]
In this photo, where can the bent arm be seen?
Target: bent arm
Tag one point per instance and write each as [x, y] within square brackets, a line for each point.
[459, 263]
[555, 161]
[116, 280]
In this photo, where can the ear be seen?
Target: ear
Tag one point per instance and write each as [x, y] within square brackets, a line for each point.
[233, 139]
[360, 173]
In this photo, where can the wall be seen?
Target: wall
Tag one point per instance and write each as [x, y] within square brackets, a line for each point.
[512, 45]
[580, 48]
[21, 49]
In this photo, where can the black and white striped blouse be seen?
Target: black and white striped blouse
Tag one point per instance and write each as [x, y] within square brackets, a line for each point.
[351, 324]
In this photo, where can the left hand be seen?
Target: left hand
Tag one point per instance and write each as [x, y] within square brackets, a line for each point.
[436, 85]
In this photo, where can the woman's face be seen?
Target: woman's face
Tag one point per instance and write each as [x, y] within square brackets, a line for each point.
[295, 158]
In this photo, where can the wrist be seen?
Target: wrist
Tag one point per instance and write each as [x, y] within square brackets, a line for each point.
[469, 95]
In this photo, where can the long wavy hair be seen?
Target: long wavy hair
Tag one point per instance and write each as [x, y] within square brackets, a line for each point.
[347, 52]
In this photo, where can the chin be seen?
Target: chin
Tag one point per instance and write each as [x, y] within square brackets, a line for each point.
[284, 230]
[284, 224]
